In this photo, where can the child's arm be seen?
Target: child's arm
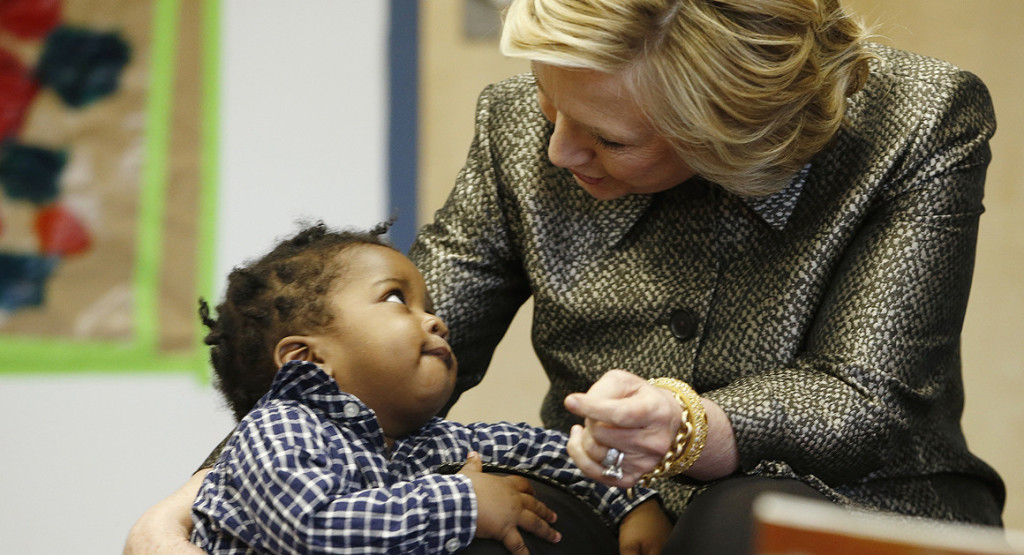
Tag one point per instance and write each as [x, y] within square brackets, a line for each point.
[543, 451]
[644, 530]
[299, 487]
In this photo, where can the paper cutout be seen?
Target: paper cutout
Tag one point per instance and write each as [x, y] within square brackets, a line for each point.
[29, 19]
[17, 90]
[23, 280]
[81, 66]
[31, 173]
[60, 232]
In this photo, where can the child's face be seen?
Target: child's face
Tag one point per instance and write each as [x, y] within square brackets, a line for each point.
[385, 345]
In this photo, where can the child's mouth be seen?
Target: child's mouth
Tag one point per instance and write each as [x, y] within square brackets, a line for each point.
[442, 353]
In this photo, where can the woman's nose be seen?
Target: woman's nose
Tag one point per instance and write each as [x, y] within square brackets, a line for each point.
[567, 147]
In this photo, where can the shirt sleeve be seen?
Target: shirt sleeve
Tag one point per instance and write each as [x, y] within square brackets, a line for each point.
[542, 451]
[880, 367]
[301, 487]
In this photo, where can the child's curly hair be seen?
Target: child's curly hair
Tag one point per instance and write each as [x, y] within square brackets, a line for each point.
[280, 294]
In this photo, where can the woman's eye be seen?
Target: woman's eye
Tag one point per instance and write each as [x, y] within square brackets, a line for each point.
[608, 144]
[395, 297]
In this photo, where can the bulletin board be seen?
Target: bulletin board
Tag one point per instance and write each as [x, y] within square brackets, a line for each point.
[106, 200]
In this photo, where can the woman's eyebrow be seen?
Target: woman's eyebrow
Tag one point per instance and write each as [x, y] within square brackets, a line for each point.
[614, 137]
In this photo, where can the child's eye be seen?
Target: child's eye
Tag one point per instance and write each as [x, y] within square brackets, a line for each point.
[395, 297]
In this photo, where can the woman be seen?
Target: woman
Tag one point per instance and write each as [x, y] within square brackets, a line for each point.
[744, 197]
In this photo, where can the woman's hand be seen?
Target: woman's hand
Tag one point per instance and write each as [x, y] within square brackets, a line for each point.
[164, 528]
[623, 411]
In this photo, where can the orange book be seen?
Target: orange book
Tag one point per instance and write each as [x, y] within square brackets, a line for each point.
[789, 525]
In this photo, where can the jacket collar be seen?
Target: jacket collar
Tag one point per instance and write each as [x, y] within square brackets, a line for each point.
[611, 220]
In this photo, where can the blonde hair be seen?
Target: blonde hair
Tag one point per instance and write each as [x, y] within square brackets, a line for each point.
[746, 91]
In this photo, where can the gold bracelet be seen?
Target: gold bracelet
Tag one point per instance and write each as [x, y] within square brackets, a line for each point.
[693, 431]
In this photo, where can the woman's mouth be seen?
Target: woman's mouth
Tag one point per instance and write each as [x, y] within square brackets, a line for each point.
[586, 178]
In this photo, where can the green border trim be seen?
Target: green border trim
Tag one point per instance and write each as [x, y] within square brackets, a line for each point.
[23, 355]
[209, 168]
[152, 197]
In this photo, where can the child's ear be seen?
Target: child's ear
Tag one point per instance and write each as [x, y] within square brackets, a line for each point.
[294, 347]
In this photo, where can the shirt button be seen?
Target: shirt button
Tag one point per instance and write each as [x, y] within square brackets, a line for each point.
[452, 545]
[352, 410]
[683, 324]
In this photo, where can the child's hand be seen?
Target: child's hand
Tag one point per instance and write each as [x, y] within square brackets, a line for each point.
[505, 504]
[644, 530]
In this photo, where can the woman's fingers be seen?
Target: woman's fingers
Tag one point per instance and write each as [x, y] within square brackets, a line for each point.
[165, 527]
[589, 465]
[618, 398]
[622, 411]
[651, 441]
[590, 460]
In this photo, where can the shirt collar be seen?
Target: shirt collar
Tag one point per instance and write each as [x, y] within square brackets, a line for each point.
[309, 384]
[775, 209]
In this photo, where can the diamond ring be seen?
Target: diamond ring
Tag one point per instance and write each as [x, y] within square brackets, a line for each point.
[612, 463]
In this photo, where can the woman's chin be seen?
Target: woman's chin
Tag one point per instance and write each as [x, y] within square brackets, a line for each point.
[599, 192]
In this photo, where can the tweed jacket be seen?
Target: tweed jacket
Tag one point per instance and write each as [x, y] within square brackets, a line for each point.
[825, 319]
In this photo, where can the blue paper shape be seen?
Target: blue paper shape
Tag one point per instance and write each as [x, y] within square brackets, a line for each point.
[81, 65]
[31, 173]
[23, 279]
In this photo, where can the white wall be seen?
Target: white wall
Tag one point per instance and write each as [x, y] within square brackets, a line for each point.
[302, 105]
[303, 101]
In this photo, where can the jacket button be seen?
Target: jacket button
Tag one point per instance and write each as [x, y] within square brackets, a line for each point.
[683, 324]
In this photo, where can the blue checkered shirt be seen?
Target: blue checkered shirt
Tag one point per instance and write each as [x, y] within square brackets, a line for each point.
[307, 471]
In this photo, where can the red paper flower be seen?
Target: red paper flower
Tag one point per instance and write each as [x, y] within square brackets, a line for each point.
[29, 19]
[60, 232]
[17, 90]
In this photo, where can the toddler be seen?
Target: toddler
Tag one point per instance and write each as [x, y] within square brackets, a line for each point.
[329, 353]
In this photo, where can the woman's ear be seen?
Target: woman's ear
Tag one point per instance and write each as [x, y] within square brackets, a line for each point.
[295, 347]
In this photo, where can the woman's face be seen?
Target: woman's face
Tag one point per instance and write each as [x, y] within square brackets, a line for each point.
[601, 135]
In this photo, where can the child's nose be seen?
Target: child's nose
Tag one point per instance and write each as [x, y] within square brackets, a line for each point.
[436, 326]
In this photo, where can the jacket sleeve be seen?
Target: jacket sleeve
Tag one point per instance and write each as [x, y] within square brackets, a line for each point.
[476, 280]
[880, 367]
